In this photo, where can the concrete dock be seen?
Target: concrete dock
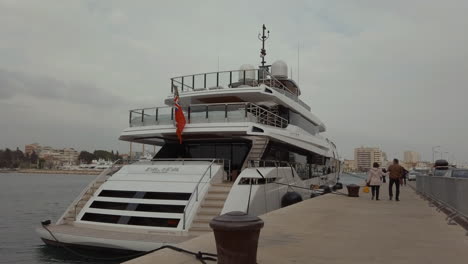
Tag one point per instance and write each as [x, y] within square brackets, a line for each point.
[339, 229]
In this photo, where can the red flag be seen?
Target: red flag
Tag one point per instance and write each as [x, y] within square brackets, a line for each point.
[179, 118]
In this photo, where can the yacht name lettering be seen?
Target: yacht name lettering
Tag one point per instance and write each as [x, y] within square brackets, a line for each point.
[162, 170]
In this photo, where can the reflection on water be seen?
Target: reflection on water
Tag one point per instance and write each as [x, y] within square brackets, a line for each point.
[347, 178]
[28, 199]
[49, 254]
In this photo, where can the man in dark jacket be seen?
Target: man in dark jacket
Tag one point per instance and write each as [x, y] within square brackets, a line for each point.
[395, 172]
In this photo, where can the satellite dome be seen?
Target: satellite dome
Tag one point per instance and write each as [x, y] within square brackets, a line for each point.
[279, 69]
[249, 71]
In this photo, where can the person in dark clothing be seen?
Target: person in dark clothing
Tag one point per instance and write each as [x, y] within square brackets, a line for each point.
[395, 172]
[384, 175]
[403, 178]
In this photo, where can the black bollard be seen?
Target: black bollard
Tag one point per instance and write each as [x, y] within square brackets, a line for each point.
[353, 190]
[236, 234]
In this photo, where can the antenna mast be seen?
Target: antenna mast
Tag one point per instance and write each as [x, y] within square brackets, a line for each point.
[263, 38]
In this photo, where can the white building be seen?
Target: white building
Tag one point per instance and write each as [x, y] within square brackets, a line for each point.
[411, 157]
[366, 156]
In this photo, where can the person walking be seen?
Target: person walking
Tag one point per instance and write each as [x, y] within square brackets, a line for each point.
[403, 178]
[395, 172]
[374, 180]
[384, 175]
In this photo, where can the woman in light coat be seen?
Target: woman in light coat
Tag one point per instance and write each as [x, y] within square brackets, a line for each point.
[374, 180]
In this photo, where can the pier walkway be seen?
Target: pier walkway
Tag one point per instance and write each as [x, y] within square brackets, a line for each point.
[339, 229]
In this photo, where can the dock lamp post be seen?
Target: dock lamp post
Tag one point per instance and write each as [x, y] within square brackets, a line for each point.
[433, 152]
[442, 154]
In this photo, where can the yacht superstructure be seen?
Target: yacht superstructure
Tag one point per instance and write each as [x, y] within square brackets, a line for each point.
[248, 140]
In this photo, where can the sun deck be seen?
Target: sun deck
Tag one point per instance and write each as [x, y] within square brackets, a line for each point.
[207, 113]
[226, 80]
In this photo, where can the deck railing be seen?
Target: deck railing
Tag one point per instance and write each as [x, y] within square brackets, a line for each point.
[226, 79]
[448, 193]
[207, 113]
[232, 79]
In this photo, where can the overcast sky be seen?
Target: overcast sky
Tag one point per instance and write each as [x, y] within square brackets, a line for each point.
[391, 74]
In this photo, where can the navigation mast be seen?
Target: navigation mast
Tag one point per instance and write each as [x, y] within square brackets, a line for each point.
[263, 38]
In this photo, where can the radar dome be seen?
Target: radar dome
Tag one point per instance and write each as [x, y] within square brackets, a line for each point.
[249, 71]
[279, 69]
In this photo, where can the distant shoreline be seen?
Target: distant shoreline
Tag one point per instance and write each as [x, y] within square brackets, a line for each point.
[46, 171]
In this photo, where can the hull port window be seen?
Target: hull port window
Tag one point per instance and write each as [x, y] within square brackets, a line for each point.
[255, 181]
[132, 220]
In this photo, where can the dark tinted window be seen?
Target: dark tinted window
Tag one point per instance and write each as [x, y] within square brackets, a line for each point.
[131, 220]
[149, 221]
[162, 208]
[440, 172]
[460, 173]
[145, 195]
[306, 163]
[166, 196]
[118, 194]
[102, 218]
[236, 152]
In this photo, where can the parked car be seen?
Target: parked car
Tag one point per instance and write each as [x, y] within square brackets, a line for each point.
[412, 175]
[441, 168]
[458, 173]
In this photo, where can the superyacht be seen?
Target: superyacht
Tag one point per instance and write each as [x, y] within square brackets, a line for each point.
[229, 141]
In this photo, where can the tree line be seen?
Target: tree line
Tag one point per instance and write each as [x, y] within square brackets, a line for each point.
[88, 157]
[18, 159]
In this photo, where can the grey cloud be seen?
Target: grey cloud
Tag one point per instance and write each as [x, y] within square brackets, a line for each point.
[42, 87]
[376, 72]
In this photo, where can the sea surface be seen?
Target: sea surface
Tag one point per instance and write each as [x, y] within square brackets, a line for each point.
[28, 199]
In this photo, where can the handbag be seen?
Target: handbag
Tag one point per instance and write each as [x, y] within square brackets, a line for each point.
[365, 189]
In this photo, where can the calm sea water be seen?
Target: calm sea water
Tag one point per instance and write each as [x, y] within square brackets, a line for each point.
[28, 199]
[25, 201]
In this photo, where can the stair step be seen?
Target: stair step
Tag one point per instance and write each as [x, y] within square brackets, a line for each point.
[197, 233]
[213, 203]
[209, 211]
[202, 229]
[206, 220]
[200, 225]
[216, 197]
[219, 188]
[224, 184]
[216, 206]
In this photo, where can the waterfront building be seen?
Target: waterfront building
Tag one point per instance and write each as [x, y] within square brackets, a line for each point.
[411, 157]
[349, 165]
[366, 156]
[55, 157]
[30, 148]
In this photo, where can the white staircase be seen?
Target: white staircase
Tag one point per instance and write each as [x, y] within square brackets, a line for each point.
[259, 145]
[211, 207]
[76, 208]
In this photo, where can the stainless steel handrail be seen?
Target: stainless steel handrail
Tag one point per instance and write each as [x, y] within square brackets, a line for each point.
[258, 80]
[265, 116]
[102, 175]
[196, 190]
